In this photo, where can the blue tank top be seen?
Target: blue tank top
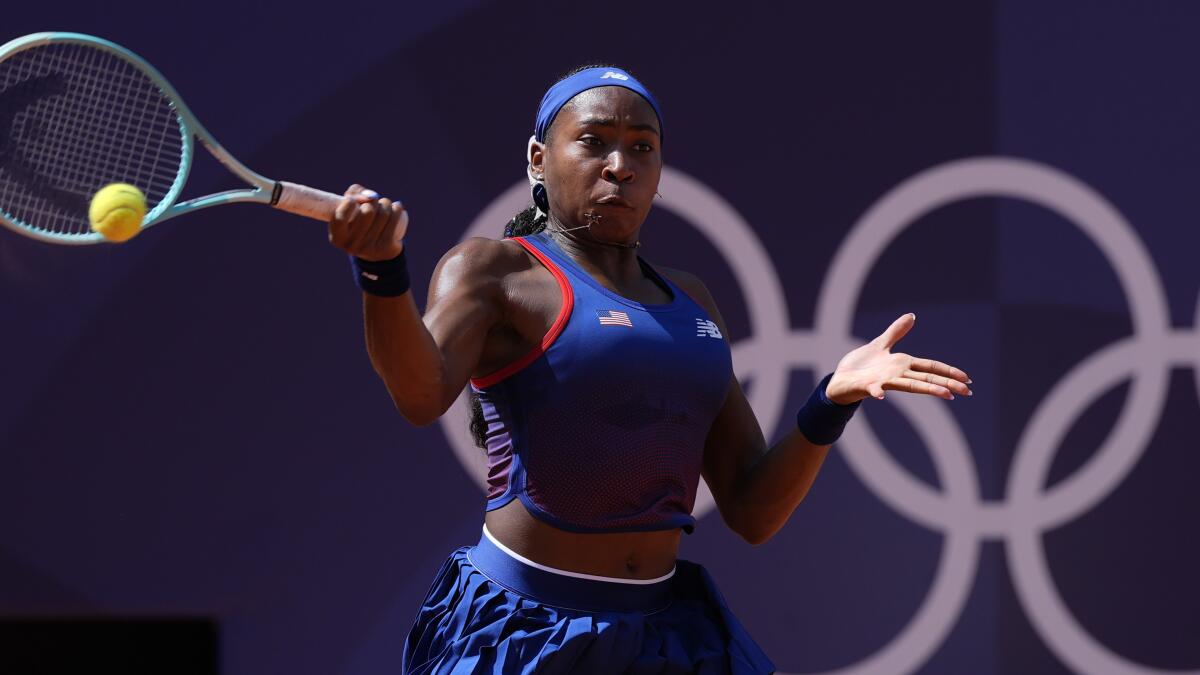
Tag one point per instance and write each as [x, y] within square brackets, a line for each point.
[601, 427]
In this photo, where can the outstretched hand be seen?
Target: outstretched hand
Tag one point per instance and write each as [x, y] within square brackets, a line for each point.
[873, 368]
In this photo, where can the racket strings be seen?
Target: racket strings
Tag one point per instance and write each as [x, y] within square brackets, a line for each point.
[103, 133]
[100, 137]
[79, 118]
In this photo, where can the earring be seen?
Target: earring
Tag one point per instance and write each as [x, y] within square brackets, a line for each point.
[539, 197]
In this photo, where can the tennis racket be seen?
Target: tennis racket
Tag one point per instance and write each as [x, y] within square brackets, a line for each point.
[78, 113]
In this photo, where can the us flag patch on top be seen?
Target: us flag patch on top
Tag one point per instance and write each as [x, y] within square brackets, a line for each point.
[611, 317]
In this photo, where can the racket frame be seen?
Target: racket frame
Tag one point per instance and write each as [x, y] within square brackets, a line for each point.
[263, 190]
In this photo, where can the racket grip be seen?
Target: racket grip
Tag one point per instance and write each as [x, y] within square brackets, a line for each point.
[305, 201]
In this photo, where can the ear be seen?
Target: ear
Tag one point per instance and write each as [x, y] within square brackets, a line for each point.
[537, 157]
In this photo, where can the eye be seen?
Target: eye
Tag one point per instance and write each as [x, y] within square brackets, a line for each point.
[590, 140]
[644, 147]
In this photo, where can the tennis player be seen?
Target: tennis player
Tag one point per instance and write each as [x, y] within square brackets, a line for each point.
[604, 390]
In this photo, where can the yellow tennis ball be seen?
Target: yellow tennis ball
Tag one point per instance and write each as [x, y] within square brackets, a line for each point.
[116, 212]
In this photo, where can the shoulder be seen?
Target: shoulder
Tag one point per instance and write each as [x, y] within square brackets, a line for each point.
[692, 285]
[483, 259]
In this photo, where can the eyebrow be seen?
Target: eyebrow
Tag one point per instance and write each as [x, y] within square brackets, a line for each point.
[612, 122]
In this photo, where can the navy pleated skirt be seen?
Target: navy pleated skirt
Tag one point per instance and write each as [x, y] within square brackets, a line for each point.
[488, 612]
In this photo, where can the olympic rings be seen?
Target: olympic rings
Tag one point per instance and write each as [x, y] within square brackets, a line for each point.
[959, 512]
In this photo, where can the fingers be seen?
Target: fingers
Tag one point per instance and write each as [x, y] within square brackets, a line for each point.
[368, 226]
[369, 235]
[342, 214]
[942, 381]
[939, 368]
[915, 380]
[918, 387]
[345, 212]
[360, 194]
[351, 217]
[897, 330]
[397, 227]
[379, 231]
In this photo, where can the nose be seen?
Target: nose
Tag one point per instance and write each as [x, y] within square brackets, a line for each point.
[617, 169]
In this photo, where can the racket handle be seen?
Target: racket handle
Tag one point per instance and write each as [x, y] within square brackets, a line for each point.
[305, 201]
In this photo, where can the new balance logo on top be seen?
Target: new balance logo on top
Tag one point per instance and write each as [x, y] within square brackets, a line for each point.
[615, 76]
[611, 317]
[706, 328]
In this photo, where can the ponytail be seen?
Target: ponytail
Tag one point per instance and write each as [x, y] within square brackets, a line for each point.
[525, 223]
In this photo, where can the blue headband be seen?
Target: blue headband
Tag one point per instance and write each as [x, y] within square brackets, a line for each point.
[558, 95]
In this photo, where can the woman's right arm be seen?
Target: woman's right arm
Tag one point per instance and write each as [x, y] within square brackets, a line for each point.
[424, 361]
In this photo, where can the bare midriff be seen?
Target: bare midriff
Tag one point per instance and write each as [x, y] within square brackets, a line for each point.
[625, 555]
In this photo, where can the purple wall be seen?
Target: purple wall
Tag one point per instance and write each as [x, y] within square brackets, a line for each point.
[189, 424]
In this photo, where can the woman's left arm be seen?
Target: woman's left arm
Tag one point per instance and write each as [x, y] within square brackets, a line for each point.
[756, 487]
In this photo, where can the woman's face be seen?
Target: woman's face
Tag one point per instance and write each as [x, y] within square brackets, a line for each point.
[601, 162]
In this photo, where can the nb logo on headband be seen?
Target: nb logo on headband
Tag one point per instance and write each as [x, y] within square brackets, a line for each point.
[611, 74]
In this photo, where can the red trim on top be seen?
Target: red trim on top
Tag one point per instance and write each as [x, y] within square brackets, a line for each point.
[560, 322]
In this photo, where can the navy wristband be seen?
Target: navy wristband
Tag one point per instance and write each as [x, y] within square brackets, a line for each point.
[821, 420]
[385, 278]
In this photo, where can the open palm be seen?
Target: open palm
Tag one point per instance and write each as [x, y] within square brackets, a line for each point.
[873, 368]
